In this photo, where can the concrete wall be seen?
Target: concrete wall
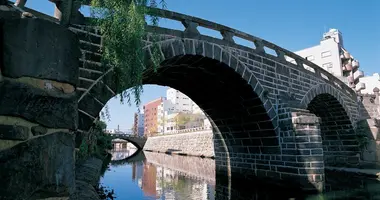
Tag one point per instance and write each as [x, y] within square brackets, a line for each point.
[195, 143]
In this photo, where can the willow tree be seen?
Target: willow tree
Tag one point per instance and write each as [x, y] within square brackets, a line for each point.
[122, 24]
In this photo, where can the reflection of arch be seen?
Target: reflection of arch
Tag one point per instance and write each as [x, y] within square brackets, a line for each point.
[135, 157]
[327, 89]
[340, 146]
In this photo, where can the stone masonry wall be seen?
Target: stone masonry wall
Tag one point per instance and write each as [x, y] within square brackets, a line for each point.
[195, 144]
[38, 76]
[369, 129]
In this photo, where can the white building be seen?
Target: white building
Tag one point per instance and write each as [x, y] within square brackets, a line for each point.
[195, 109]
[178, 105]
[163, 110]
[331, 55]
[370, 83]
[181, 102]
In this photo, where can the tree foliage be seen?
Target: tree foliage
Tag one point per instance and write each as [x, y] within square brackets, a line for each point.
[122, 24]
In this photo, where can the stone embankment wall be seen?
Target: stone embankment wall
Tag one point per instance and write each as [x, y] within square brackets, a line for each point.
[38, 107]
[87, 179]
[369, 127]
[192, 167]
[195, 144]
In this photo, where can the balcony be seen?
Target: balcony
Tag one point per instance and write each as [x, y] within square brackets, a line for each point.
[360, 86]
[358, 74]
[355, 64]
[347, 67]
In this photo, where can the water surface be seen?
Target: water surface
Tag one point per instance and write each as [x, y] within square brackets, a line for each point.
[148, 175]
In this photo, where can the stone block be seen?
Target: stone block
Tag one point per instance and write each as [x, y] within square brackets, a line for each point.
[13, 132]
[89, 171]
[7, 13]
[305, 120]
[42, 164]
[33, 104]
[39, 130]
[40, 49]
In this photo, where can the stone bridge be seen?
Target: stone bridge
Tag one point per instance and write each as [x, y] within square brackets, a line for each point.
[275, 116]
[138, 142]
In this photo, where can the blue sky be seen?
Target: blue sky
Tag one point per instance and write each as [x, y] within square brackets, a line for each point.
[293, 24]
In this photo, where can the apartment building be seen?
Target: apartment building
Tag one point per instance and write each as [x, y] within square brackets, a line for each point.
[331, 55]
[150, 117]
[180, 101]
[371, 82]
[176, 108]
[138, 124]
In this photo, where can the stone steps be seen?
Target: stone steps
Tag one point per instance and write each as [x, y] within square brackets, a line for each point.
[90, 70]
[92, 56]
[88, 46]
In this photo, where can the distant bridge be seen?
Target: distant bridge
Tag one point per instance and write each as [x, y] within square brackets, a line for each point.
[139, 142]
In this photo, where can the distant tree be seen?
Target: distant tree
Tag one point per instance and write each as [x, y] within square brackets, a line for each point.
[182, 119]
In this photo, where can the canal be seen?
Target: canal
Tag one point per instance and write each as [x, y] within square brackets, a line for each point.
[145, 175]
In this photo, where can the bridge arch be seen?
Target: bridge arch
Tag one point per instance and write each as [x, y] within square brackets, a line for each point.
[223, 87]
[190, 51]
[323, 89]
[340, 146]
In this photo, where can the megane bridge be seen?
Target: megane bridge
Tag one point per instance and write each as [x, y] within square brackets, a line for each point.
[274, 116]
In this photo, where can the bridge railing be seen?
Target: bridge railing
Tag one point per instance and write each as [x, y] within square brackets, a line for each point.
[189, 130]
[125, 135]
[191, 25]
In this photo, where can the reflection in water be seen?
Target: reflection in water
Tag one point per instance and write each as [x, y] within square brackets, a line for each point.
[122, 149]
[162, 176]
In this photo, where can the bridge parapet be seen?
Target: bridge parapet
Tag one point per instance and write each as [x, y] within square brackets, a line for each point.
[191, 25]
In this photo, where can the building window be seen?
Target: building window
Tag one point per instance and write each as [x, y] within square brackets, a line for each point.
[326, 54]
[327, 65]
[310, 58]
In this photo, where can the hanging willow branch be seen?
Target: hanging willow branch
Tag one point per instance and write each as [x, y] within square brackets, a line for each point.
[122, 24]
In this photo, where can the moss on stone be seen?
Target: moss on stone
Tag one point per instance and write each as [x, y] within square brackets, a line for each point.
[5, 144]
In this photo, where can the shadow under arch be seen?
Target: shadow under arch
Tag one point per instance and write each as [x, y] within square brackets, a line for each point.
[340, 145]
[232, 100]
[231, 97]
[228, 100]
[335, 93]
